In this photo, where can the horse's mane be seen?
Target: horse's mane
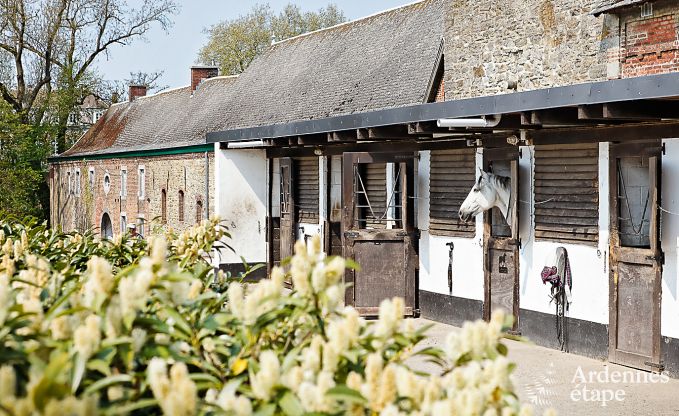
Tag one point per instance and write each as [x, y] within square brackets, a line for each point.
[500, 181]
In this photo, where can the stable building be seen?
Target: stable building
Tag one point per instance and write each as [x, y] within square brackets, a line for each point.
[348, 141]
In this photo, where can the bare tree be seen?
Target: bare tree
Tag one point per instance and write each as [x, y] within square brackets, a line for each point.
[54, 44]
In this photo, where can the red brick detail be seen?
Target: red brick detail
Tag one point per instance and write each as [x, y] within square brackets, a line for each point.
[651, 46]
[137, 91]
[440, 92]
[201, 73]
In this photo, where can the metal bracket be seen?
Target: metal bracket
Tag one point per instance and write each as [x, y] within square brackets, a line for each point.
[659, 366]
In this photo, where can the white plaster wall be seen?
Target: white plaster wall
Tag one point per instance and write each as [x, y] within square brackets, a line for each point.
[240, 198]
[336, 189]
[434, 254]
[669, 309]
[589, 265]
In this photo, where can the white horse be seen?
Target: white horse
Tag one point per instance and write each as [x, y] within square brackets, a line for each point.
[489, 191]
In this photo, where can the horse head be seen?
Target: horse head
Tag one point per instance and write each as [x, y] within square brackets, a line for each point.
[489, 191]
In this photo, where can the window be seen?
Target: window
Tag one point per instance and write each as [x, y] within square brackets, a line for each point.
[107, 183]
[90, 178]
[451, 177]
[142, 182]
[163, 206]
[181, 205]
[306, 180]
[123, 222]
[68, 180]
[140, 226]
[199, 211]
[123, 182]
[77, 182]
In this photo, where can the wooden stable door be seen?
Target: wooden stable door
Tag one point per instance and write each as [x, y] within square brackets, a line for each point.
[287, 201]
[501, 240]
[377, 229]
[636, 255]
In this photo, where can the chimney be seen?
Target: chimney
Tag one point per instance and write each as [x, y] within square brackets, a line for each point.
[200, 73]
[136, 91]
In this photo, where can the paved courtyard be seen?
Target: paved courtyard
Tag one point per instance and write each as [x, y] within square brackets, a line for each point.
[549, 378]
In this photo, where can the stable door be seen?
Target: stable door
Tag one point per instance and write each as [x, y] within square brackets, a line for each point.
[378, 231]
[636, 255]
[501, 239]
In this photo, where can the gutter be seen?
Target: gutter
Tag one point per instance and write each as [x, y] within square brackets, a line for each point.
[135, 153]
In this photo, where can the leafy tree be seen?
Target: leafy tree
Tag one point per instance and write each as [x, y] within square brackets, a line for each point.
[234, 44]
[48, 49]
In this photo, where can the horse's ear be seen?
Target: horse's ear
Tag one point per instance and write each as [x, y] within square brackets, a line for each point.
[483, 173]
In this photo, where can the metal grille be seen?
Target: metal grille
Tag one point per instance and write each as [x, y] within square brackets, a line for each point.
[451, 177]
[377, 189]
[634, 212]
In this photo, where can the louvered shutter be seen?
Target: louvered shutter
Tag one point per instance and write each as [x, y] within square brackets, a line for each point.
[567, 193]
[451, 177]
[306, 192]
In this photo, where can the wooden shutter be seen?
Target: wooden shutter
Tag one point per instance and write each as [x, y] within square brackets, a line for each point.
[451, 177]
[306, 192]
[567, 193]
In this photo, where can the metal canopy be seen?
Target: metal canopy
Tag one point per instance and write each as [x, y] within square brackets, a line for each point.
[613, 104]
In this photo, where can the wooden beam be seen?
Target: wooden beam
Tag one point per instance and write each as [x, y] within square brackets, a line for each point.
[312, 139]
[389, 133]
[343, 136]
[644, 110]
[593, 134]
[591, 112]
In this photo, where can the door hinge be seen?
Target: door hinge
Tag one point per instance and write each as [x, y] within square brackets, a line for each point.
[660, 257]
[659, 366]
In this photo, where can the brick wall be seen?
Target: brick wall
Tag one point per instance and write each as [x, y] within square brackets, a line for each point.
[649, 45]
[72, 210]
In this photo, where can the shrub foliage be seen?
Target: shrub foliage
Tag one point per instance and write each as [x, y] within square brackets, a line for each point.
[90, 326]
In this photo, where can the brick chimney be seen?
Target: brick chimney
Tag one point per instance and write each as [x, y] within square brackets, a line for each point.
[200, 73]
[136, 91]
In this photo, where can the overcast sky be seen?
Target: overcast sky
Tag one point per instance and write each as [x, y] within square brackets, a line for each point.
[174, 52]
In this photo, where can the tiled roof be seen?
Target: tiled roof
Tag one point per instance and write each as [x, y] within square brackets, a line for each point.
[172, 118]
[381, 61]
[610, 5]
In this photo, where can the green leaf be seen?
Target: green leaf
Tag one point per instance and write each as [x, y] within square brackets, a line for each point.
[502, 349]
[291, 405]
[106, 382]
[78, 371]
[343, 393]
[130, 408]
[179, 320]
[266, 410]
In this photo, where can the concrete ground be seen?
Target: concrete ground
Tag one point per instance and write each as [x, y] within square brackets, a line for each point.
[548, 378]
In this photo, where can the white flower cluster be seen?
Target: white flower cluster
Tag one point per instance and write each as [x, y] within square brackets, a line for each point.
[259, 299]
[176, 394]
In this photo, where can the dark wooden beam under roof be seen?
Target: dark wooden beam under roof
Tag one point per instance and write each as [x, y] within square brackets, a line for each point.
[640, 110]
[343, 136]
[624, 132]
[312, 139]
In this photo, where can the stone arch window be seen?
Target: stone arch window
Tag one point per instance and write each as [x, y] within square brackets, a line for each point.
[107, 183]
[199, 211]
[163, 206]
[181, 205]
[106, 226]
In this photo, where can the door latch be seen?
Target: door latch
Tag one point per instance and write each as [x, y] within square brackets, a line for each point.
[660, 257]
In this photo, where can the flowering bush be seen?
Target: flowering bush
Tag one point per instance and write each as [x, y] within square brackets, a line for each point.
[122, 327]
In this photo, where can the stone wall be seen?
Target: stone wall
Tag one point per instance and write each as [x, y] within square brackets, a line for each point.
[502, 46]
[83, 207]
